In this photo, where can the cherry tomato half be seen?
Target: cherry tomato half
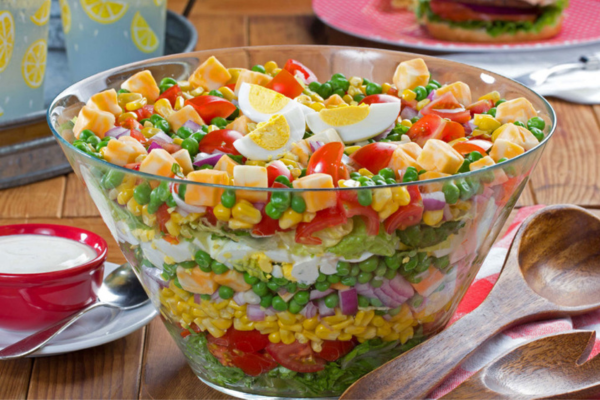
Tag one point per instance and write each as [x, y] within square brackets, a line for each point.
[275, 169]
[429, 127]
[334, 349]
[379, 98]
[480, 107]
[374, 156]
[253, 364]
[222, 140]
[407, 215]
[478, 145]
[171, 94]
[452, 131]
[327, 160]
[144, 112]
[209, 107]
[446, 106]
[286, 84]
[294, 67]
[325, 218]
[297, 357]
[370, 216]
[247, 341]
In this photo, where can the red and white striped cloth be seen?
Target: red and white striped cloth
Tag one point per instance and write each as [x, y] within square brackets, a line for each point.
[512, 337]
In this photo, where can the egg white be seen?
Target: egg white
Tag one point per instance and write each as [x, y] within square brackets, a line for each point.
[381, 116]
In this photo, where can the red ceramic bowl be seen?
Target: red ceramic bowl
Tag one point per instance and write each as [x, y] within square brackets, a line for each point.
[33, 301]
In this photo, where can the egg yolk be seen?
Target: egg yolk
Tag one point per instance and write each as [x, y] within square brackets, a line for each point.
[342, 116]
[273, 134]
[265, 100]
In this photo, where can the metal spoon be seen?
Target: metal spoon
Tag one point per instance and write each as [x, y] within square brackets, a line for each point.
[552, 270]
[121, 290]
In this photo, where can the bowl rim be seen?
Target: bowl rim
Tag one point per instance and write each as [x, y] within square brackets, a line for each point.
[454, 65]
[61, 231]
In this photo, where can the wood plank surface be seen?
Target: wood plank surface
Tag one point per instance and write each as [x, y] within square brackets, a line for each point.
[41, 199]
[14, 378]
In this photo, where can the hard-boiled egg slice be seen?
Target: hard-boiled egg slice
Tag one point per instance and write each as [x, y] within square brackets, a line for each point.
[259, 104]
[355, 123]
[269, 141]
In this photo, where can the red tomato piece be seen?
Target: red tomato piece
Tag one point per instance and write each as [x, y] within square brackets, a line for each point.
[453, 130]
[267, 225]
[325, 218]
[429, 127]
[286, 84]
[169, 147]
[210, 216]
[137, 135]
[446, 106]
[133, 166]
[458, 12]
[479, 145]
[222, 353]
[231, 86]
[209, 107]
[144, 112]
[222, 140]
[379, 98]
[171, 94]
[408, 215]
[224, 340]
[277, 168]
[412, 104]
[334, 349]
[171, 239]
[480, 107]
[247, 341]
[374, 156]
[131, 123]
[368, 215]
[297, 68]
[296, 357]
[163, 216]
[393, 92]
[253, 364]
[327, 160]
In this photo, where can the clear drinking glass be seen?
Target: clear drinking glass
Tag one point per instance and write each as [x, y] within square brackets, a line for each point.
[438, 262]
[23, 51]
[102, 34]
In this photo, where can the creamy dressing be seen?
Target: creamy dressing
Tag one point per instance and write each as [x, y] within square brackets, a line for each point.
[34, 254]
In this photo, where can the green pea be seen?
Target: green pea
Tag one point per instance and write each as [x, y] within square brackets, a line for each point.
[539, 135]
[339, 92]
[378, 179]
[355, 270]
[442, 263]
[155, 118]
[393, 262]
[358, 97]
[187, 264]
[411, 264]
[343, 268]
[342, 83]
[325, 90]
[536, 122]
[163, 126]
[381, 269]
[355, 175]
[281, 200]
[93, 140]
[364, 277]
[387, 173]
[121, 91]
[390, 274]
[272, 212]
[162, 191]
[218, 268]
[338, 75]
[225, 292]
[279, 304]
[465, 167]
[519, 123]
[365, 197]
[86, 148]
[492, 112]
[184, 132]
[292, 287]
[228, 198]
[101, 145]
[375, 302]
[198, 136]
[249, 279]
[322, 286]
[86, 134]
[273, 286]
[363, 179]
[363, 301]
[333, 279]
[451, 192]
[332, 300]
[216, 93]
[153, 207]
[298, 204]
[348, 280]
[500, 102]
[376, 283]
[302, 297]
[141, 194]
[176, 283]
[164, 88]
[410, 175]
[280, 281]
[369, 265]
[206, 297]
[302, 172]
[294, 307]
[474, 156]
[284, 179]
[373, 88]
[182, 190]
[314, 86]
[266, 300]
[171, 201]
[259, 68]
[421, 93]
[112, 179]
[503, 159]
[168, 81]
[219, 121]
[304, 286]
[260, 288]
[435, 83]
[430, 88]
[191, 145]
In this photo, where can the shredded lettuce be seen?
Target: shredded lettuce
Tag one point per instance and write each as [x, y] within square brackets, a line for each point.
[358, 242]
[549, 16]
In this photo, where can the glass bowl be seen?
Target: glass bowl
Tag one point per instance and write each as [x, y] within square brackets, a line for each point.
[416, 274]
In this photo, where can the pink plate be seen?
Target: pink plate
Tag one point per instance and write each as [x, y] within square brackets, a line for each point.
[375, 20]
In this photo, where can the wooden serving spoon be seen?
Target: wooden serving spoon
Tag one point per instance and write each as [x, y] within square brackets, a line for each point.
[552, 270]
[553, 366]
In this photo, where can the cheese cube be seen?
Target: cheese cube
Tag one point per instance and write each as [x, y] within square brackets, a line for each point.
[505, 149]
[440, 156]
[316, 201]
[302, 150]
[515, 110]
[226, 164]
[251, 176]
[143, 83]
[431, 187]
[240, 124]
[210, 75]
[96, 121]
[203, 195]
[196, 280]
[410, 74]
[184, 160]
[486, 161]
[106, 101]
[178, 118]
[405, 156]
[251, 77]
[517, 135]
[158, 162]
[123, 150]
[334, 100]
[460, 90]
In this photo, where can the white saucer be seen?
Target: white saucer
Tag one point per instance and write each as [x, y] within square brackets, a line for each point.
[98, 327]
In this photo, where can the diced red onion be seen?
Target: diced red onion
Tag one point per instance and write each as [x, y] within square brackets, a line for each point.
[282, 291]
[387, 317]
[154, 274]
[154, 146]
[387, 289]
[431, 96]
[193, 126]
[209, 159]
[128, 133]
[197, 298]
[447, 213]
[309, 310]
[348, 301]
[238, 297]
[401, 286]
[384, 298]
[408, 113]
[215, 296]
[384, 134]
[255, 312]
[433, 201]
[364, 289]
[325, 311]
[315, 145]
[270, 311]
[185, 206]
[161, 136]
[117, 131]
[469, 127]
[316, 294]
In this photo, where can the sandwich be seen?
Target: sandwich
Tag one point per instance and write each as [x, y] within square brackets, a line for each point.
[492, 21]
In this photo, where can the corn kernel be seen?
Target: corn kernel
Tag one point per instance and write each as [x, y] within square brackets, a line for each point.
[317, 346]
[408, 95]
[150, 132]
[294, 328]
[386, 88]
[179, 103]
[185, 86]
[125, 116]
[342, 325]
[187, 95]
[365, 172]
[289, 219]
[291, 163]
[433, 218]
[351, 149]
[355, 330]
[148, 124]
[296, 172]
[380, 198]
[134, 207]
[244, 211]
[228, 93]
[355, 81]
[275, 71]
[274, 337]
[363, 89]
[124, 196]
[172, 228]
[240, 326]
[262, 325]
[317, 106]
[347, 98]
[325, 333]
[215, 331]
[369, 333]
[482, 133]
[494, 96]
[422, 104]
[197, 92]
[287, 317]
[400, 195]
[212, 128]
[304, 99]
[178, 141]
[163, 108]
[406, 334]
[125, 98]
[258, 163]
[310, 323]
[383, 331]
[136, 105]
[406, 122]
[315, 97]
[287, 337]
[344, 337]
[391, 337]
[270, 66]
[353, 91]
[221, 212]
[301, 338]
[378, 321]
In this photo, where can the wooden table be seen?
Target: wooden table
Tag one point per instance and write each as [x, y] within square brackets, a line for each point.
[147, 364]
